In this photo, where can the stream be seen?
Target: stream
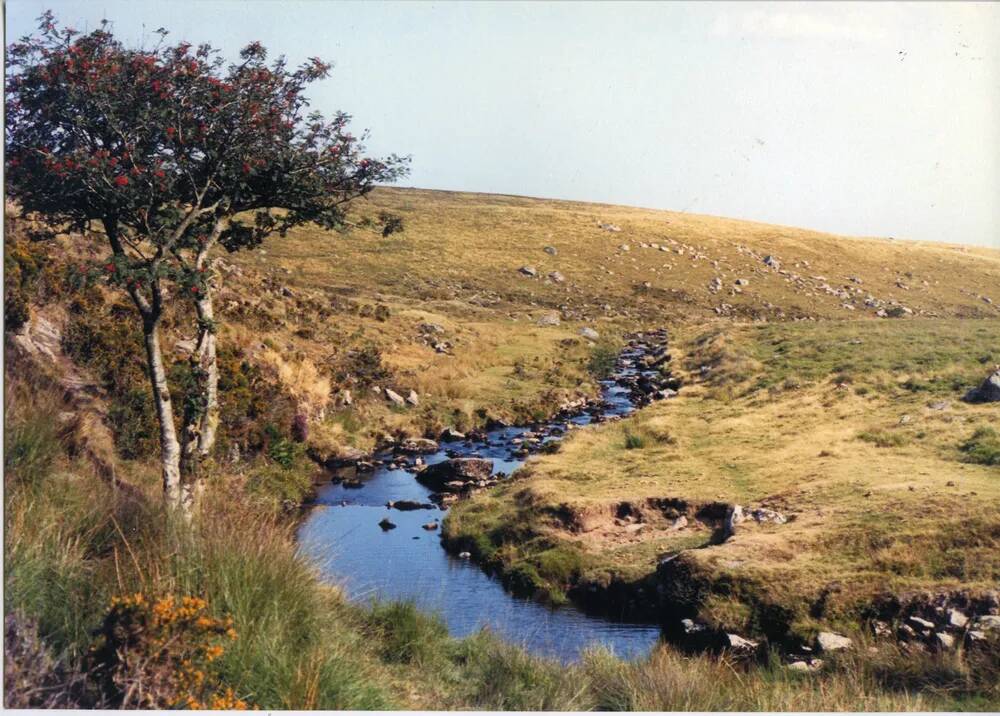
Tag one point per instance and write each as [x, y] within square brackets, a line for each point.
[343, 537]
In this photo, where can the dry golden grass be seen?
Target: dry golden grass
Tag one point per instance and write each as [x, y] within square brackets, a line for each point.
[456, 264]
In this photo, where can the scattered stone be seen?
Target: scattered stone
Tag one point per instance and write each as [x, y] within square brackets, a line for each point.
[430, 526]
[988, 392]
[624, 247]
[976, 637]
[939, 405]
[772, 262]
[742, 282]
[988, 622]
[690, 627]
[762, 514]
[827, 641]
[556, 277]
[738, 643]
[464, 555]
[957, 619]
[610, 227]
[415, 446]
[394, 397]
[550, 250]
[529, 271]
[805, 666]
[589, 333]
[386, 524]
[431, 328]
[449, 435]
[413, 399]
[920, 623]
[944, 641]
[548, 319]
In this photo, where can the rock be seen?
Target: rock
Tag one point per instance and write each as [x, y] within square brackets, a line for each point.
[548, 319]
[431, 328]
[976, 637]
[394, 397]
[550, 250]
[988, 392]
[772, 262]
[919, 623]
[610, 227]
[805, 666]
[715, 285]
[415, 446]
[939, 405]
[346, 398]
[624, 247]
[944, 641]
[988, 622]
[449, 435]
[430, 526]
[827, 641]
[528, 271]
[957, 619]
[464, 555]
[738, 643]
[589, 333]
[460, 469]
[386, 524]
[408, 505]
[742, 282]
[690, 627]
[412, 398]
[762, 514]
[556, 277]
[343, 456]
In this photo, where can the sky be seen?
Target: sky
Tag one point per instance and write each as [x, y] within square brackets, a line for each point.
[868, 119]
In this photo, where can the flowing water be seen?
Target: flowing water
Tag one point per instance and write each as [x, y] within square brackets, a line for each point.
[342, 535]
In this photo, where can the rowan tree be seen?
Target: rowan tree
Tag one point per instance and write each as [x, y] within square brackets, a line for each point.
[167, 155]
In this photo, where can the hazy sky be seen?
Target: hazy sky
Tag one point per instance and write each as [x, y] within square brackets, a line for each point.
[868, 119]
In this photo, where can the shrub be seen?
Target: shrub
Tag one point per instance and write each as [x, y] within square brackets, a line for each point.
[602, 360]
[634, 441]
[982, 447]
[159, 653]
[882, 438]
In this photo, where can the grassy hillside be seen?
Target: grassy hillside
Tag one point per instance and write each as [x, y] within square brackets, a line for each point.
[793, 401]
[853, 431]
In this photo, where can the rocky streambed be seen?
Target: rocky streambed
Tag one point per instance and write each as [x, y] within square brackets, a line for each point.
[375, 527]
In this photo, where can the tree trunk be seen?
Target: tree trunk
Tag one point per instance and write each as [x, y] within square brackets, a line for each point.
[209, 364]
[170, 452]
[200, 429]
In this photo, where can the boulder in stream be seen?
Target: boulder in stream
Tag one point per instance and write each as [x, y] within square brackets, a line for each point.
[459, 469]
[415, 446]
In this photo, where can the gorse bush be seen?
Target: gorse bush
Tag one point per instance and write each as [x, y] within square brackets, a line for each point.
[159, 653]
